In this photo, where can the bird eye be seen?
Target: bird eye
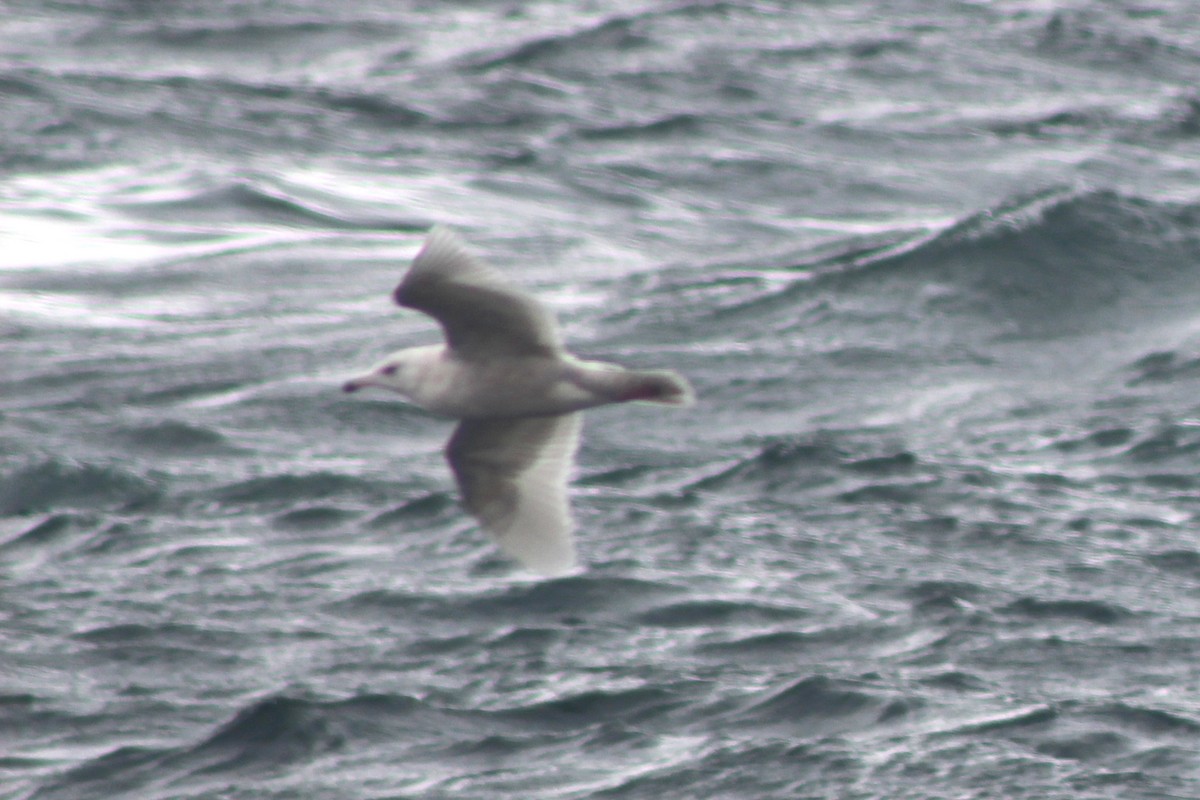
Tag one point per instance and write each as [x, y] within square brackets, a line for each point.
[390, 369]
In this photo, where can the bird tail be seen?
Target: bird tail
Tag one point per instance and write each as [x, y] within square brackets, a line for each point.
[658, 386]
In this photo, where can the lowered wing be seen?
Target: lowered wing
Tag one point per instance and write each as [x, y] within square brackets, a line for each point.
[512, 473]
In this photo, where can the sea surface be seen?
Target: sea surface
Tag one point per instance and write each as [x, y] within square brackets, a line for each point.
[931, 531]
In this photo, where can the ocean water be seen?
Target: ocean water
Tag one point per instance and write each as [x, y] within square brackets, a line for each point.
[930, 532]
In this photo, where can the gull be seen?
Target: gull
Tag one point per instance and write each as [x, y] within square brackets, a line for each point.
[505, 375]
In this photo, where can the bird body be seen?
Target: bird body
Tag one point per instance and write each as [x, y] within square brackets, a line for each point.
[506, 376]
[442, 382]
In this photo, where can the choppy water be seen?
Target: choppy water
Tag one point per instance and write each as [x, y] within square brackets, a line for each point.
[931, 532]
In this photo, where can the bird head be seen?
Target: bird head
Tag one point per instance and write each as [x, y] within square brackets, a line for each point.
[399, 372]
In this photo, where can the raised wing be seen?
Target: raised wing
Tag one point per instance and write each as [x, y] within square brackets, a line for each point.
[513, 477]
[482, 313]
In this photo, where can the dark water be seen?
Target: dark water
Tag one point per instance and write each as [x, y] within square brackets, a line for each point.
[931, 532]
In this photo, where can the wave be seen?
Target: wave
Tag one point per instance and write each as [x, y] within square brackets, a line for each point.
[1147, 720]
[1124, 736]
[1093, 611]
[1099, 39]
[54, 484]
[47, 532]
[606, 35]
[590, 708]
[848, 463]
[169, 646]
[527, 606]
[291, 489]
[236, 35]
[425, 507]
[1048, 264]
[264, 202]
[261, 742]
[1166, 443]
[1164, 366]
[762, 647]
[282, 730]
[173, 437]
[313, 518]
[718, 613]
[60, 110]
[1179, 562]
[563, 49]
[1061, 261]
[819, 706]
[272, 738]
[939, 598]
[665, 126]
[1008, 722]
[593, 595]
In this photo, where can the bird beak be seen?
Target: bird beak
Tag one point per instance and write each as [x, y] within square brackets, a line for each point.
[359, 382]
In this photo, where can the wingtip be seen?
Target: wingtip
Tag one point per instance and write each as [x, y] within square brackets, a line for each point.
[662, 386]
[555, 569]
[441, 243]
[441, 238]
[440, 229]
[549, 557]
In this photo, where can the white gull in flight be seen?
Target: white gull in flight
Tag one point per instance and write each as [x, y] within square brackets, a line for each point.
[517, 393]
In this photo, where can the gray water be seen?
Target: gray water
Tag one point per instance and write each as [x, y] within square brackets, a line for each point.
[930, 532]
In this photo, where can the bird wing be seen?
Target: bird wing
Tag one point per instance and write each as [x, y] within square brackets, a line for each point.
[512, 473]
[482, 313]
